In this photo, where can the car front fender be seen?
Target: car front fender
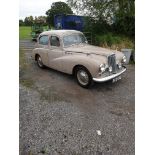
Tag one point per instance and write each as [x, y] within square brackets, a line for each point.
[70, 61]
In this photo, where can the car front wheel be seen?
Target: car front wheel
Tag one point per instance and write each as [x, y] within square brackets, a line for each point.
[39, 62]
[83, 77]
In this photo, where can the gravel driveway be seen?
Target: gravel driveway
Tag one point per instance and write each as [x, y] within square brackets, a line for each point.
[58, 117]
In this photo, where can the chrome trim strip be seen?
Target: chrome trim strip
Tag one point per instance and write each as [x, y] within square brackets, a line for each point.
[109, 77]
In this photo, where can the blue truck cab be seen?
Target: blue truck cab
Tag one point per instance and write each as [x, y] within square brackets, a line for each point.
[74, 22]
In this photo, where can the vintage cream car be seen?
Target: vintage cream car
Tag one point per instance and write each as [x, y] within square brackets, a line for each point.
[68, 51]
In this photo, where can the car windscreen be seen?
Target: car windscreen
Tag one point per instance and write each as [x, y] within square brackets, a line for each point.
[73, 39]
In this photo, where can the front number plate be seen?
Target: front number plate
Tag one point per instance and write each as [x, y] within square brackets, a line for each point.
[116, 79]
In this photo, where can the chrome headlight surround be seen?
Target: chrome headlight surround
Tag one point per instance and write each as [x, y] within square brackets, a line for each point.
[124, 59]
[102, 68]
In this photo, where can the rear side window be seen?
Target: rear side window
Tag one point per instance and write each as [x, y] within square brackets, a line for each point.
[43, 40]
[54, 41]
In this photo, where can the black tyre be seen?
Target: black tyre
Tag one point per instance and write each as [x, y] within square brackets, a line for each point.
[83, 77]
[39, 62]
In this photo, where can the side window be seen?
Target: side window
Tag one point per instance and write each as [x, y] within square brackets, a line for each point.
[43, 40]
[54, 41]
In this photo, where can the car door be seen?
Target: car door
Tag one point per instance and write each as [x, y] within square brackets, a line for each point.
[55, 53]
[43, 47]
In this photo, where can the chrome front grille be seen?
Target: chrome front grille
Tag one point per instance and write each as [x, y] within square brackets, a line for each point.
[112, 63]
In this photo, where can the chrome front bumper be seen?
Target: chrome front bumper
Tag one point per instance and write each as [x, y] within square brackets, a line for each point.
[110, 77]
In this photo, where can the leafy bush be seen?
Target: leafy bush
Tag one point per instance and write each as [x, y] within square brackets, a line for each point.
[114, 41]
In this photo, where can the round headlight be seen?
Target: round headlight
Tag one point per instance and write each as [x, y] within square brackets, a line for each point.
[102, 68]
[124, 59]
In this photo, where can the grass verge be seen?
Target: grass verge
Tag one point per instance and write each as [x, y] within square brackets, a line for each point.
[23, 67]
[24, 32]
[22, 61]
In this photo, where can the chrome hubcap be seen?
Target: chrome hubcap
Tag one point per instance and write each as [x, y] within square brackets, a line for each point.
[82, 77]
[40, 62]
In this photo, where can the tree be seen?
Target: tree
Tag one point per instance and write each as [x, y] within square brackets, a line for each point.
[21, 22]
[40, 19]
[125, 17]
[57, 8]
[28, 21]
[100, 10]
[119, 14]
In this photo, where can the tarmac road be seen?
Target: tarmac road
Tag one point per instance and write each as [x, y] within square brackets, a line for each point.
[58, 117]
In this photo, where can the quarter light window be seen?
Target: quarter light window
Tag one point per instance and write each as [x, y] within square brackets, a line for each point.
[43, 40]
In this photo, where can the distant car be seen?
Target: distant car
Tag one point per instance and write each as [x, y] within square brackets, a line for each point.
[68, 51]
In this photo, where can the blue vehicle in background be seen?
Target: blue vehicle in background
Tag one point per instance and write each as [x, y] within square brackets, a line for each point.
[74, 22]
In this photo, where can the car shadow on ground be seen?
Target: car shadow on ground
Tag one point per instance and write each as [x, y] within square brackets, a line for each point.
[108, 85]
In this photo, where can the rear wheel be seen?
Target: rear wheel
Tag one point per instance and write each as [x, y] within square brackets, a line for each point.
[83, 77]
[39, 62]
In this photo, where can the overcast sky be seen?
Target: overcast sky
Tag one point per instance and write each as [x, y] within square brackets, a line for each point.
[34, 7]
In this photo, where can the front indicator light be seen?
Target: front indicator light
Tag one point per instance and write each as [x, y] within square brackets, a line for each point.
[124, 59]
[119, 65]
[110, 69]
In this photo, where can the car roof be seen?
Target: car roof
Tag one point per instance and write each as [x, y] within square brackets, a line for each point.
[59, 32]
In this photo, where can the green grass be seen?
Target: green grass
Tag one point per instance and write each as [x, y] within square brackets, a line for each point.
[25, 32]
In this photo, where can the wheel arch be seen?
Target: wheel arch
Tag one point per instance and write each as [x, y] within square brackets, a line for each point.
[77, 66]
[90, 80]
[36, 55]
